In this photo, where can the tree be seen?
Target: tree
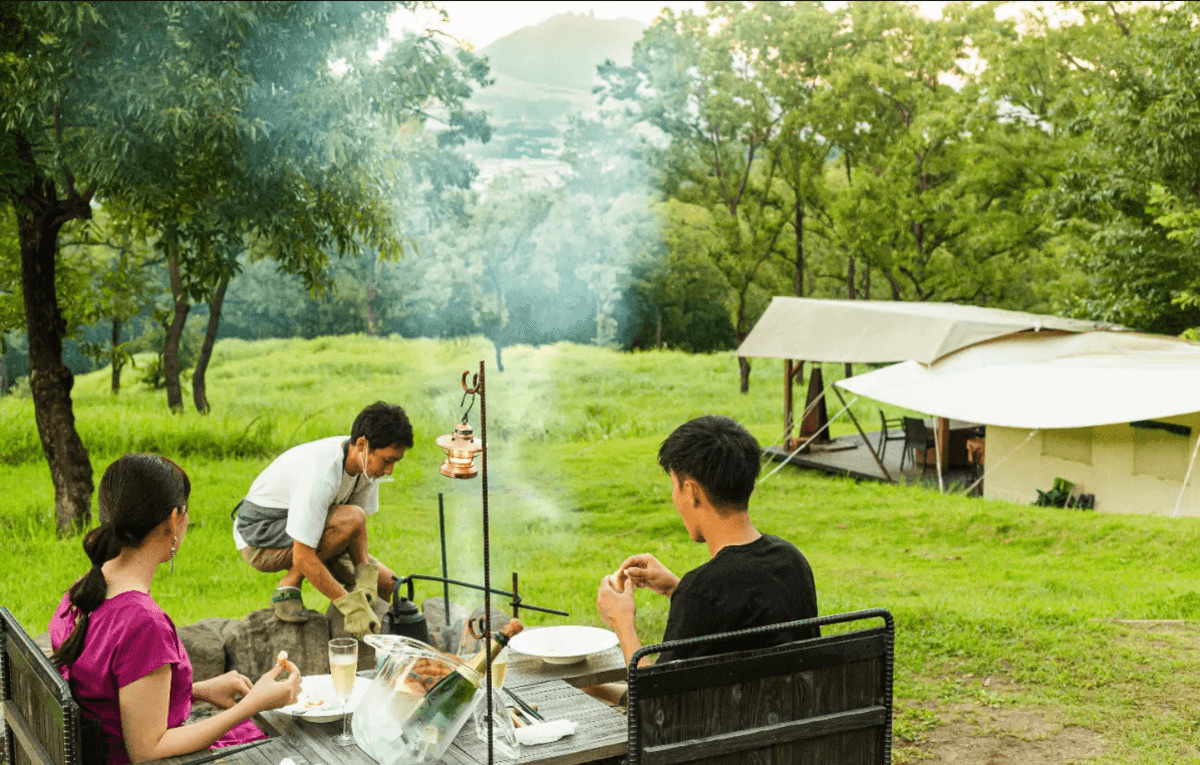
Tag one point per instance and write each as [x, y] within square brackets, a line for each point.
[166, 108]
[694, 80]
[1129, 112]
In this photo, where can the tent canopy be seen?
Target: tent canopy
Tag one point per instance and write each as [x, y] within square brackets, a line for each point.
[1048, 381]
[877, 331]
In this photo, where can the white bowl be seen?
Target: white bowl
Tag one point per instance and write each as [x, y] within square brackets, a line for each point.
[563, 645]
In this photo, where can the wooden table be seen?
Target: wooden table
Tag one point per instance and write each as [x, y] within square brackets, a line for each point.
[601, 733]
[606, 667]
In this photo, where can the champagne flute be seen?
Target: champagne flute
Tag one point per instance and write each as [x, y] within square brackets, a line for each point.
[343, 668]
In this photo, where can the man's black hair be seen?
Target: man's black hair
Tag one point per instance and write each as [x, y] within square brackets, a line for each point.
[384, 425]
[717, 453]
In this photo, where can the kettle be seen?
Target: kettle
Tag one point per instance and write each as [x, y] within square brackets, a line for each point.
[403, 617]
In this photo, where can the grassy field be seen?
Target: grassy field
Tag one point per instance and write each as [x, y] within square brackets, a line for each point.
[997, 605]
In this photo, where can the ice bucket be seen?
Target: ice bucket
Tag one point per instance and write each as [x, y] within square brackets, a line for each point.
[399, 721]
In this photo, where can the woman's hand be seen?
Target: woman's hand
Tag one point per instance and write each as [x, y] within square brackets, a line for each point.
[222, 691]
[270, 693]
[644, 570]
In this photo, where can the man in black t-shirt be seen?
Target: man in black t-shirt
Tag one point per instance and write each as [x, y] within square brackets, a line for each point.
[752, 579]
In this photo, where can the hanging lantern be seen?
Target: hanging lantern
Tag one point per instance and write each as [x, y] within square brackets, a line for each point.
[461, 448]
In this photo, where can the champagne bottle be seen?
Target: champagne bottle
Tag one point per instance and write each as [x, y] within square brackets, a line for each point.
[446, 700]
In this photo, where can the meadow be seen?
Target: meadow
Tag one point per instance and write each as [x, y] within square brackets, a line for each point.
[997, 606]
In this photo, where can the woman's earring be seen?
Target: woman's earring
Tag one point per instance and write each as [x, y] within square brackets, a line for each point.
[174, 543]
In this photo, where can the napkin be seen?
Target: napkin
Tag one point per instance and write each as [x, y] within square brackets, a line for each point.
[545, 732]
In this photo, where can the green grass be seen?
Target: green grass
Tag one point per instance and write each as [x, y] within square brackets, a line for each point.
[980, 589]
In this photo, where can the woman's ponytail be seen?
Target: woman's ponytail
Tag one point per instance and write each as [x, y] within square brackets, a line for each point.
[86, 595]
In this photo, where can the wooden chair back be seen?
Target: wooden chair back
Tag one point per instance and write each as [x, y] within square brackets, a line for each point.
[42, 723]
[820, 701]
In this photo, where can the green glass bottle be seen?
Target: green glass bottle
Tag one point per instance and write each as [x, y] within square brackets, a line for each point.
[452, 695]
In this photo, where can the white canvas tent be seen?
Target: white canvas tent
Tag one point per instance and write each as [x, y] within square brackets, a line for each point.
[872, 331]
[1117, 413]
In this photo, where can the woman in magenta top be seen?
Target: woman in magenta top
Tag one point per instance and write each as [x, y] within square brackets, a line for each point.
[120, 653]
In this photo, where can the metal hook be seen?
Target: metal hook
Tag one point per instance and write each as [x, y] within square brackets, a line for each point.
[472, 391]
[476, 627]
[474, 383]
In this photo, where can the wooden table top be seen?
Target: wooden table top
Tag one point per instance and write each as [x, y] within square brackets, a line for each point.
[605, 667]
[601, 732]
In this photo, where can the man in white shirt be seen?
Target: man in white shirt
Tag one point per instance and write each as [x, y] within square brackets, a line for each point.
[310, 507]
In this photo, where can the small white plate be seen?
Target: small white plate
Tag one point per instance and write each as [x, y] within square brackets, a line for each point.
[318, 701]
[563, 645]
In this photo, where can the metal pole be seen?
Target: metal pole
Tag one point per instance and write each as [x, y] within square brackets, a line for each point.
[487, 566]
[867, 441]
[445, 576]
[516, 598]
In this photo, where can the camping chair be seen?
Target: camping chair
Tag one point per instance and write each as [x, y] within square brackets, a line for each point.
[821, 700]
[916, 436]
[889, 430]
[42, 723]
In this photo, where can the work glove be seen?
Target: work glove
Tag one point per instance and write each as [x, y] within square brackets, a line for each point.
[366, 579]
[360, 618]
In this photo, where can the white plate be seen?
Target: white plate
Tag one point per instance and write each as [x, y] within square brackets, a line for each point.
[563, 645]
[318, 701]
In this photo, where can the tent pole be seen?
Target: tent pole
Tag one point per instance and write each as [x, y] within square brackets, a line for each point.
[788, 458]
[807, 409]
[866, 440]
[999, 462]
[937, 452]
[1188, 475]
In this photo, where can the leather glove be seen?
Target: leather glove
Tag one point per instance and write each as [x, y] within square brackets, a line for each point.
[360, 618]
[366, 579]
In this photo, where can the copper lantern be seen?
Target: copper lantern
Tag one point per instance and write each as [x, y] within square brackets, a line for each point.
[461, 446]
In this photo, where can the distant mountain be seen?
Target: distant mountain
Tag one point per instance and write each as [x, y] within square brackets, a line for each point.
[543, 75]
[564, 50]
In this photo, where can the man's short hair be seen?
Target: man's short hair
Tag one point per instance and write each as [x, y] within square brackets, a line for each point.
[384, 425]
[717, 453]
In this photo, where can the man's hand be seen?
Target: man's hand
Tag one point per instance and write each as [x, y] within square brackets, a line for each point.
[644, 570]
[360, 618]
[616, 606]
[223, 690]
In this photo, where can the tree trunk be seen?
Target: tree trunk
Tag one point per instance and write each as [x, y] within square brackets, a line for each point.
[851, 293]
[41, 214]
[799, 248]
[174, 332]
[210, 338]
[372, 319]
[743, 374]
[115, 358]
[499, 353]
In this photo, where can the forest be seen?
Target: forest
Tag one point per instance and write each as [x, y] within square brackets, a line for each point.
[173, 174]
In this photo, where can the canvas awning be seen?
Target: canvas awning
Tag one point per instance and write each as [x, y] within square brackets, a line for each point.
[1048, 381]
[876, 331]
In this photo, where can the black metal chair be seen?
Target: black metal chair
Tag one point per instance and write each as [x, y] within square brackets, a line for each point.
[916, 436]
[889, 430]
[822, 700]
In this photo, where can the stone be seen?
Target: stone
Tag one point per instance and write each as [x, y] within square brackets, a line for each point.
[442, 637]
[253, 643]
[337, 628]
[205, 644]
